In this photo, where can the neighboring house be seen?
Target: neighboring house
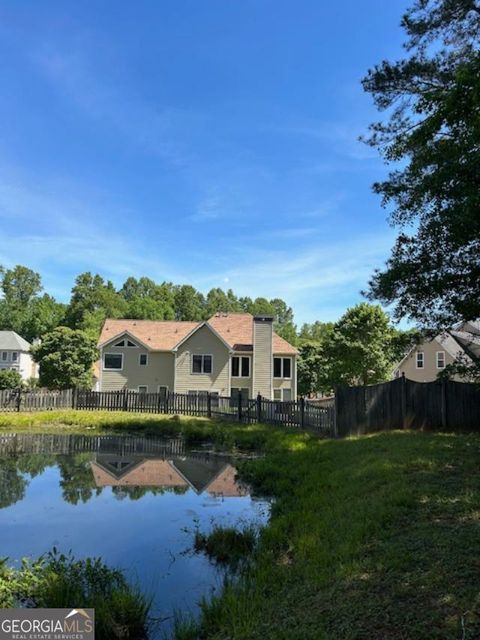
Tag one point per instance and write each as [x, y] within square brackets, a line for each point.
[428, 358]
[229, 353]
[15, 355]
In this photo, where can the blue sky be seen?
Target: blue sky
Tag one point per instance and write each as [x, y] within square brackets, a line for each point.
[209, 142]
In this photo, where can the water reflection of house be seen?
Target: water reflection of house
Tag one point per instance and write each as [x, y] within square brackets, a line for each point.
[213, 475]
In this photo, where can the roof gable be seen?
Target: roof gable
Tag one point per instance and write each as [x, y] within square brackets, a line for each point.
[234, 329]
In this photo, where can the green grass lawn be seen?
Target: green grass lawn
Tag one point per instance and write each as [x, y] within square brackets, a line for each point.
[373, 538]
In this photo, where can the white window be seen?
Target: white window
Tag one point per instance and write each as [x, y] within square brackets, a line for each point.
[143, 359]
[284, 395]
[4, 356]
[120, 344]
[282, 368]
[142, 388]
[162, 390]
[14, 356]
[241, 366]
[201, 363]
[440, 359]
[112, 361]
[420, 360]
[130, 344]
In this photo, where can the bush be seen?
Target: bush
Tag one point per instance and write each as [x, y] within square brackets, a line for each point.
[60, 581]
[10, 379]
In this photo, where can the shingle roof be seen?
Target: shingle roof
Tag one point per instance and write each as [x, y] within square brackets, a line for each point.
[236, 329]
[158, 335]
[11, 340]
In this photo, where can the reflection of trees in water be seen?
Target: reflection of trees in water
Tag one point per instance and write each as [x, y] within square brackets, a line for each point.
[13, 475]
[77, 482]
[136, 492]
[12, 483]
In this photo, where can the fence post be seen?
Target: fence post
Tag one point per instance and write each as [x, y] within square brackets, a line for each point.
[302, 412]
[74, 397]
[125, 399]
[239, 405]
[19, 399]
[259, 408]
[209, 404]
[335, 412]
[443, 404]
[404, 400]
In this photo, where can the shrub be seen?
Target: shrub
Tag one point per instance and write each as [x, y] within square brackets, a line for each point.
[10, 379]
[59, 581]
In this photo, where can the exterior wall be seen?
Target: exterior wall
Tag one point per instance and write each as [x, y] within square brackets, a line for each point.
[286, 383]
[157, 372]
[262, 358]
[243, 383]
[429, 371]
[203, 342]
[24, 364]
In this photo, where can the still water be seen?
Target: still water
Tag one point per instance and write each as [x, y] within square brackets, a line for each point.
[135, 502]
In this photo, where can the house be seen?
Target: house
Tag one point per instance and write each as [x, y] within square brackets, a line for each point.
[15, 355]
[427, 359]
[225, 355]
[215, 475]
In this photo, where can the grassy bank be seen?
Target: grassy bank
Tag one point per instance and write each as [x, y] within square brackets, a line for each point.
[193, 430]
[375, 538]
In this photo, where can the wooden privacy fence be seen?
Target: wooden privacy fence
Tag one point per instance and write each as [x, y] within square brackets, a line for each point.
[406, 404]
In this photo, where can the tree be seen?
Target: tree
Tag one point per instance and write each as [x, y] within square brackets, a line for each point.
[189, 303]
[66, 357]
[10, 379]
[22, 309]
[432, 128]
[359, 350]
[42, 315]
[147, 300]
[217, 300]
[19, 285]
[93, 300]
[316, 332]
[309, 368]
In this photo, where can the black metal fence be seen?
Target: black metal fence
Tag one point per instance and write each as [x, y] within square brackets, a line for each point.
[299, 413]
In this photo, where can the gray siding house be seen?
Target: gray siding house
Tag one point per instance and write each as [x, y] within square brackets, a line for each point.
[227, 354]
[428, 358]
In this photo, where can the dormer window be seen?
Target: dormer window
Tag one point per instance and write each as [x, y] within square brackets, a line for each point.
[120, 344]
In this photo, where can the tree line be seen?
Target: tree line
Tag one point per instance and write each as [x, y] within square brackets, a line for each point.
[360, 348]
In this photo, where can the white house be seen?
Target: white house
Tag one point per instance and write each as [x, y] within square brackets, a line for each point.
[15, 355]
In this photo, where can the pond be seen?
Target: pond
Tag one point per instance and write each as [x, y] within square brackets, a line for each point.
[135, 502]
